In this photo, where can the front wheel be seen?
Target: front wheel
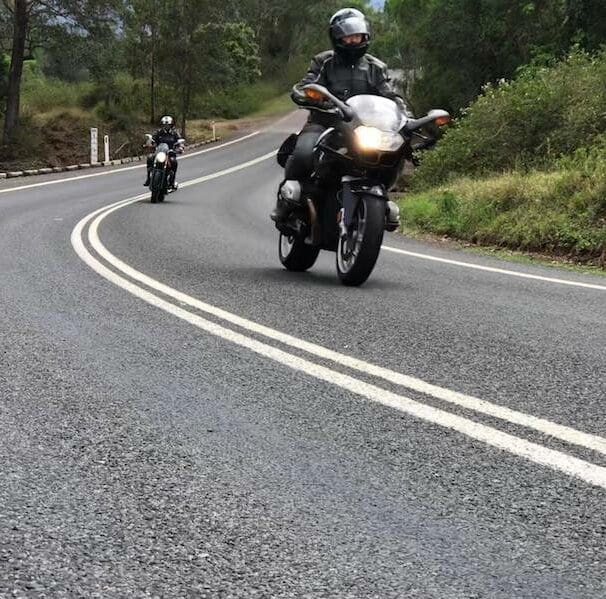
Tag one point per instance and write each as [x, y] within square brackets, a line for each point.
[157, 186]
[295, 254]
[357, 252]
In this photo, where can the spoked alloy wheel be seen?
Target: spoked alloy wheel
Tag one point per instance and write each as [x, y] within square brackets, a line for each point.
[296, 255]
[358, 251]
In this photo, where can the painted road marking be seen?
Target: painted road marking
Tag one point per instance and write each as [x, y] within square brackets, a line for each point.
[501, 271]
[532, 451]
[552, 429]
[556, 460]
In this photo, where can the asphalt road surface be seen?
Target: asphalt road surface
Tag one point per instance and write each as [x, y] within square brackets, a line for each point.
[181, 417]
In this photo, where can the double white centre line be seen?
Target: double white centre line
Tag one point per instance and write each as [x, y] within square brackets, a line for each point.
[173, 301]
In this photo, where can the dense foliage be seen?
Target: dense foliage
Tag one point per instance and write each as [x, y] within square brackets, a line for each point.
[561, 211]
[157, 56]
[545, 113]
[455, 47]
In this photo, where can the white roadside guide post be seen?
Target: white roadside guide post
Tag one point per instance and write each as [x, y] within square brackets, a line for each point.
[214, 131]
[106, 147]
[94, 145]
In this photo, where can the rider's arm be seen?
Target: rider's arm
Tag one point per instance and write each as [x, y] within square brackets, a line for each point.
[315, 74]
[176, 146]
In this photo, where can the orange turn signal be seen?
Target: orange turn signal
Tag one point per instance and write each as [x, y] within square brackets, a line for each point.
[442, 120]
[312, 94]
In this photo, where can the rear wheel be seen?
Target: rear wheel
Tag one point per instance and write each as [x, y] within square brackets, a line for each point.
[296, 255]
[358, 251]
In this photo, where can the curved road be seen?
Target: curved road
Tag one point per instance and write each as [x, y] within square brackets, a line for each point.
[181, 417]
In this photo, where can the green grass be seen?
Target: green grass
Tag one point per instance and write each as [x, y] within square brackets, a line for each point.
[560, 213]
[510, 255]
[275, 107]
[41, 95]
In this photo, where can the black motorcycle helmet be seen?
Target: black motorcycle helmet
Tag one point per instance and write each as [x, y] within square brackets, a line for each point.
[349, 21]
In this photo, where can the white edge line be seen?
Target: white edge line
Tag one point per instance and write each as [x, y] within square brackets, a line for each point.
[590, 473]
[546, 427]
[128, 168]
[501, 271]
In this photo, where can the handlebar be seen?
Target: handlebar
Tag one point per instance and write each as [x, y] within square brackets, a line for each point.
[346, 112]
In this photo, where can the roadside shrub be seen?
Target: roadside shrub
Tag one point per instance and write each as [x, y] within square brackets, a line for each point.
[531, 122]
[121, 98]
[43, 94]
[561, 212]
[234, 102]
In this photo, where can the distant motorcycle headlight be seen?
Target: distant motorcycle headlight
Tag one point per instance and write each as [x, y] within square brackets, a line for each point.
[371, 138]
[161, 157]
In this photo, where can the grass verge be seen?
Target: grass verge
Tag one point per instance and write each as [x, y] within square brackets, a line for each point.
[561, 213]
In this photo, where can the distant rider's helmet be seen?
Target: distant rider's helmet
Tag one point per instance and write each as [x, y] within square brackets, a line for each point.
[345, 23]
[167, 122]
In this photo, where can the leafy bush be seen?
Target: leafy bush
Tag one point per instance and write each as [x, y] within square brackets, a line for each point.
[43, 94]
[121, 95]
[235, 102]
[531, 122]
[562, 211]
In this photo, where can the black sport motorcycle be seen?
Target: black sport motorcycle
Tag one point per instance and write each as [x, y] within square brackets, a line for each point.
[162, 178]
[345, 208]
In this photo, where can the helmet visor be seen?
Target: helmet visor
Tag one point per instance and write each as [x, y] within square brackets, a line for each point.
[350, 26]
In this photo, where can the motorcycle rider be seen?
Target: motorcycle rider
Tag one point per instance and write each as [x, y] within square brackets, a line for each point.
[166, 134]
[346, 71]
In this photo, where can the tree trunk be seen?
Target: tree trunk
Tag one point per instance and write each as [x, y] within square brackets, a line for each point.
[184, 109]
[11, 120]
[153, 74]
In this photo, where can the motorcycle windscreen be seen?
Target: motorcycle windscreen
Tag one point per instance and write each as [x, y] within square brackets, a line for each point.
[376, 111]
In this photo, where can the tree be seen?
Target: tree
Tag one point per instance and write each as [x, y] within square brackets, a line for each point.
[87, 16]
[460, 45]
[210, 54]
[143, 33]
[21, 11]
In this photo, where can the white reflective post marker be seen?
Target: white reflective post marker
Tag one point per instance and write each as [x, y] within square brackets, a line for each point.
[94, 145]
[106, 147]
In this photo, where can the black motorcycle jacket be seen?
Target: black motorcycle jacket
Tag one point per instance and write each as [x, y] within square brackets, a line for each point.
[169, 138]
[366, 76]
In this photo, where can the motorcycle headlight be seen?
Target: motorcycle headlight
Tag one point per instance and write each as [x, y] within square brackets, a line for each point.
[161, 157]
[371, 138]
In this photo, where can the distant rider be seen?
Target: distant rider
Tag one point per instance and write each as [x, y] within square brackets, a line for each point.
[346, 71]
[167, 134]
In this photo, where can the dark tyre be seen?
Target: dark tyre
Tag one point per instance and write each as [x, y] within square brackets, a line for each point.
[157, 187]
[296, 255]
[357, 253]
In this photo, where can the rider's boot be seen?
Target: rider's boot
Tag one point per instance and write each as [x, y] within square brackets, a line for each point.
[392, 222]
[173, 178]
[148, 178]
